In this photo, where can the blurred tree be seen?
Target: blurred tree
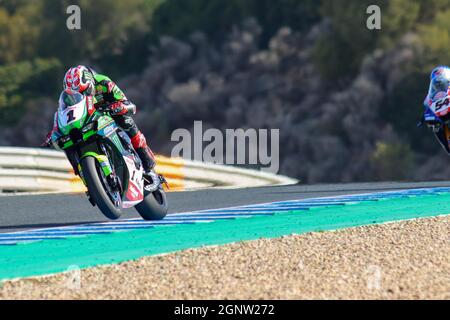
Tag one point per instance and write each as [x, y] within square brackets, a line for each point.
[435, 38]
[339, 52]
[36, 48]
[24, 81]
[112, 33]
[429, 8]
[11, 6]
[398, 18]
[19, 32]
[392, 161]
[403, 109]
[179, 18]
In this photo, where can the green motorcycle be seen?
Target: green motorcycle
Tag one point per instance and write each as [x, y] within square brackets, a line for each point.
[102, 155]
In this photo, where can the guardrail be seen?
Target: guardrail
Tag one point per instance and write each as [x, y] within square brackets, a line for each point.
[45, 171]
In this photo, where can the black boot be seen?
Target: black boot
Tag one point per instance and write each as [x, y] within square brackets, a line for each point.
[147, 159]
[153, 180]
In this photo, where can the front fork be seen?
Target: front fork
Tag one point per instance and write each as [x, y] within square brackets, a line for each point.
[107, 169]
[102, 160]
[447, 133]
[443, 137]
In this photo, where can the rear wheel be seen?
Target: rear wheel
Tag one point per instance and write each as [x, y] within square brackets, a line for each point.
[154, 206]
[107, 200]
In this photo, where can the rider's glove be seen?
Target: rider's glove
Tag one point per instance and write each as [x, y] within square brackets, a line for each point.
[48, 140]
[118, 108]
[434, 125]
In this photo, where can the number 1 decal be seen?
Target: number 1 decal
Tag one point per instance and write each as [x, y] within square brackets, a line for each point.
[70, 116]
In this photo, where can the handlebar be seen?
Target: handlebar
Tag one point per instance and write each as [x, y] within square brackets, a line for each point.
[105, 108]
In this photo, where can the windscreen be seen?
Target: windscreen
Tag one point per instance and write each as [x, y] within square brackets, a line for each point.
[68, 99]
[440, 83]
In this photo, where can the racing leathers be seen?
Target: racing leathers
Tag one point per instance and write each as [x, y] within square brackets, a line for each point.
[107, 95]
[435, 105]
[442, 132]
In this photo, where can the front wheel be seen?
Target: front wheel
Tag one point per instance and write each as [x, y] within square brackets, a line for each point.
[97, 186]
[154, 206]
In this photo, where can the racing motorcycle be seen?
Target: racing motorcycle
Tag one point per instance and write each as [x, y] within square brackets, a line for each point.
[103, 157]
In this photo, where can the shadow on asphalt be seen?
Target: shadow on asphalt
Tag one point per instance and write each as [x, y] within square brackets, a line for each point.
[45, 225]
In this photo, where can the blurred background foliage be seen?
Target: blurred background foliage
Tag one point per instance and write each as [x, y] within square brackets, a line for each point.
[180, 18]
[244, 63]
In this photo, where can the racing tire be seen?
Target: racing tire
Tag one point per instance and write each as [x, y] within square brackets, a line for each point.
[91, 170]
[154, 206]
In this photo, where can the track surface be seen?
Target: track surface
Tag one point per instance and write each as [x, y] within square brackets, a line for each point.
[33, 212]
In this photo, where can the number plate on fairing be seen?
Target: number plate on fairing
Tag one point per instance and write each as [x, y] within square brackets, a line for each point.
[135, 192]
[441, 105]
[71, 114]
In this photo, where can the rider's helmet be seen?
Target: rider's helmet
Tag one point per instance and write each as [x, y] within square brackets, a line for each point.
[440, 80]
[80, 79]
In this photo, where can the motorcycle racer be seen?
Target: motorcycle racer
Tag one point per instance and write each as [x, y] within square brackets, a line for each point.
[106, 94]
[438, 94]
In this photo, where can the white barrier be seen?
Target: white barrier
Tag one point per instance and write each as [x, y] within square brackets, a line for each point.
[44, 171]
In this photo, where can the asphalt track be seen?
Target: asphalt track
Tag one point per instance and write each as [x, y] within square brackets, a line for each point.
[200, 219]
[45, 211]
